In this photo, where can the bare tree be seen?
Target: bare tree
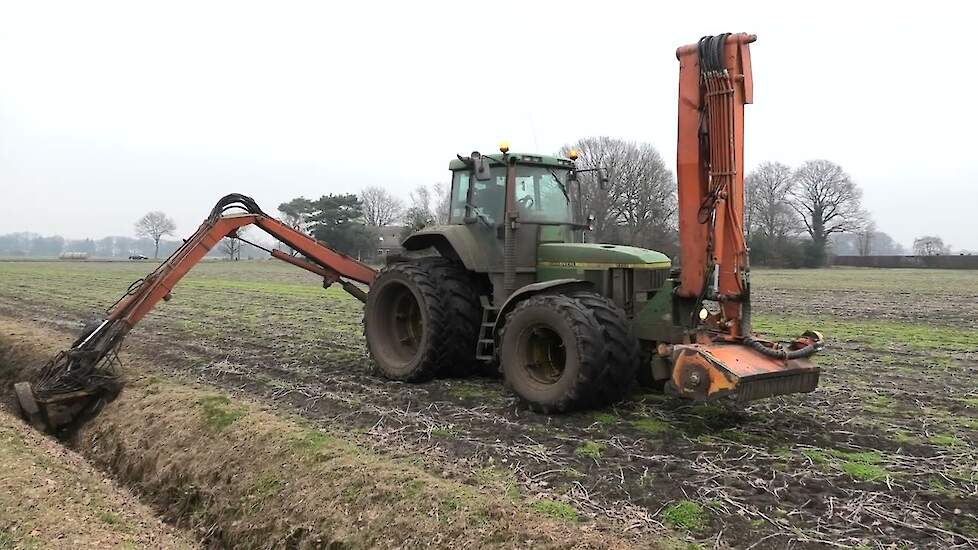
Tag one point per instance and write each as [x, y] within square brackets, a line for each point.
[930, 246]
[380, 207]
[638, 205]
[828, 201]
[155, 225]
[768, 213]
[865, 237]
[421, 198]
[419, 214]
[443, 202]
[416, 218]
[232, 247]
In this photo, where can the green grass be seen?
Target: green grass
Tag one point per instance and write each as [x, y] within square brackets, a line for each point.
[864, 457]
[556, 510]
[817, 457]
[969, 423]
[879, 404]
[312, 441]
[920, 281]
[945, 440]
[650, 425]
[860, 465]
[108, 518]
[686, 514]
[442, 433]
[472, 391]
[903, 436]
[218, 413]
[590, 449]
[878, 334]
[864, 472]
[266, 296]
[265, 486]
[606, 419]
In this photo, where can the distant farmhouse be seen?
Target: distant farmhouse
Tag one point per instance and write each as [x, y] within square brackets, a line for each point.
[389, 237]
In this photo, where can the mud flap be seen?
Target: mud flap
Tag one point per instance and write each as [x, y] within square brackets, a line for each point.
[705, 372]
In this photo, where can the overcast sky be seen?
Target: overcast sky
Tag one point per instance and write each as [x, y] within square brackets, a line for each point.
[109, 110]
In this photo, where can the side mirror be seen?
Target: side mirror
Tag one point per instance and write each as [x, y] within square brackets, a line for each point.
[480, 167]
[603, 178]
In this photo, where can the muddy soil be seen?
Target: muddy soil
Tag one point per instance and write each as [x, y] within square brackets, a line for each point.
[883, 454]
[239, 476]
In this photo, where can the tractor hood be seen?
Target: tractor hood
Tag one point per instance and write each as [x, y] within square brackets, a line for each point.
[599, 256]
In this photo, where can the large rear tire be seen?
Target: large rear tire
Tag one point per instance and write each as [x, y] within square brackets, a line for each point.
[419, 320]
[460, 294]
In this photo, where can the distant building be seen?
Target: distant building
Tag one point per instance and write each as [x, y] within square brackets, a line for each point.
[389, 237]
[74, 256]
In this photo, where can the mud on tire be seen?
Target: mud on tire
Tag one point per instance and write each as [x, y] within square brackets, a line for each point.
[417, 320]
[557, 356]
[622, 350]
[460, 294]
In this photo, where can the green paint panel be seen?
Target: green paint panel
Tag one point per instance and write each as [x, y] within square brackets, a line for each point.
[653, 320]
[579, 256]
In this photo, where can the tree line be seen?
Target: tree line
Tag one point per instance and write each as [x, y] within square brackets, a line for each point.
[794, 216]
[33, 245]
[149, 242]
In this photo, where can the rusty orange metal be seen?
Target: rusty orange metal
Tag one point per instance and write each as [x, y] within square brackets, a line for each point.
[708, 371]
[710, 173]
[325, 261]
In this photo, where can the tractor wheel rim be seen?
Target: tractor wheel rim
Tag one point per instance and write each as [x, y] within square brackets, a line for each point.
[544, 356]
[407, 324]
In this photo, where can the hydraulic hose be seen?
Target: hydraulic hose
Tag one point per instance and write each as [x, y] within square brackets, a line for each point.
[781, 353]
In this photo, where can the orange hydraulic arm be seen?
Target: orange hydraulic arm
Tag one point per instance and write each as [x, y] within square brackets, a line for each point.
[714, 85]
[322, 260]
[85, 354]
[722, 357]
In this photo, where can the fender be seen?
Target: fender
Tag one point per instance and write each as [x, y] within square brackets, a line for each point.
[555, 286]
[451, 241]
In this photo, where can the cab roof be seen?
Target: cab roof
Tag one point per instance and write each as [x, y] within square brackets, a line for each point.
[521, 158]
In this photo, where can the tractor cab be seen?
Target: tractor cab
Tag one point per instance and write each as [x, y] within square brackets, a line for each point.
[541, 189]
[516, 219]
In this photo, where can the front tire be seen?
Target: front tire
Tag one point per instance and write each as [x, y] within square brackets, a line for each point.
[622, 350]
[551, 351]
[567, 352]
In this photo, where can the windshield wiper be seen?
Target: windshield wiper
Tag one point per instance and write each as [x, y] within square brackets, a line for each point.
[562, 188]
[478, 214]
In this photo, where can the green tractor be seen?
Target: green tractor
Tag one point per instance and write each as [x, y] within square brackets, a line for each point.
[509, 281]
[513, 284]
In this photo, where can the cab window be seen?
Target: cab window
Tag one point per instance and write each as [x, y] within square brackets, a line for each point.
[488, 196]
[541, 194]
[460, 188]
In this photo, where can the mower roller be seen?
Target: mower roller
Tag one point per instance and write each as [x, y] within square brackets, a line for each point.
[510, 283]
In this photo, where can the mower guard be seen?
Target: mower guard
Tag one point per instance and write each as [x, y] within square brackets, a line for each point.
[53, 413]
[706, 372]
